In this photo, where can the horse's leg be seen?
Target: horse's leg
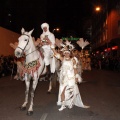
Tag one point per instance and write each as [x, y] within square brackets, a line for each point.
[50, 85]
[42, 76]
[49, 76]
[53, 79]
[58, 75]
[34, 85]
[27, 82]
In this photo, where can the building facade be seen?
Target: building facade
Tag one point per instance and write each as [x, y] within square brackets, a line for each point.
[106, 30]
[7, 37]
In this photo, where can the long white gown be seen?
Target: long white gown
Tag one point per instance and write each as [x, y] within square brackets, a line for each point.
[67, 82]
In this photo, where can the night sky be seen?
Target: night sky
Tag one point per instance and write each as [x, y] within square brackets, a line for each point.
[68, 15]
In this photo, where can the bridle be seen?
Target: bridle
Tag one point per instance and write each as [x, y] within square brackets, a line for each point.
[23, 49]
[25, 45]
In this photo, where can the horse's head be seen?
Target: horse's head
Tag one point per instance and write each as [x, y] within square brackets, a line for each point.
[24, 43]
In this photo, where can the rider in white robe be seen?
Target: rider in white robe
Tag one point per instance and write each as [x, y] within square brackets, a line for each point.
[48, 53]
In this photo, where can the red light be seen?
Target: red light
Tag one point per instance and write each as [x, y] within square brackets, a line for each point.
[115, 48]
[109, 49]
[97, 52]
[102, 53]
[105, 50]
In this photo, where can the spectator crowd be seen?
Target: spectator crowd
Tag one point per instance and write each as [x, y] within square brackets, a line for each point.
[7, 65]
[108, 63]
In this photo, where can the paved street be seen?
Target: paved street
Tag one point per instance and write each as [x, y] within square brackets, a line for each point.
[100, 90]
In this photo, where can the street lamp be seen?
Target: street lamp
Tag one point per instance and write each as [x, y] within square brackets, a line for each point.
[56, 29]
[104, 10]
[98, 9]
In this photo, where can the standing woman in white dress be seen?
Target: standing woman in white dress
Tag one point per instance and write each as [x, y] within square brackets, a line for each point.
[69, 94]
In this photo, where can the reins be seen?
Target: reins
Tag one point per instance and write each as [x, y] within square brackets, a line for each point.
[32, 52]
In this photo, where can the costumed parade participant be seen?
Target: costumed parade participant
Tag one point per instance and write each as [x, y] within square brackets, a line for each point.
[83, 43]
[69, 94]
[19, 62]
[88, 61]
[75, 54]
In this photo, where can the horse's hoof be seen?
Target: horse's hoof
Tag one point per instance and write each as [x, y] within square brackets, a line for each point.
[29, 113]
[22, 108]
[48, 92]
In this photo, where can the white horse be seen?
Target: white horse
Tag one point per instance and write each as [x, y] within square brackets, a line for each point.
[55, 76]
[52, 77]
[34, 65]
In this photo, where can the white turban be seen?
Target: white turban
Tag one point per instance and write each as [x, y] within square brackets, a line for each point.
[45, 25]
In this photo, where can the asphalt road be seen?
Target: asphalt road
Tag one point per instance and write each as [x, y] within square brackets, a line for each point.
[100, 90]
